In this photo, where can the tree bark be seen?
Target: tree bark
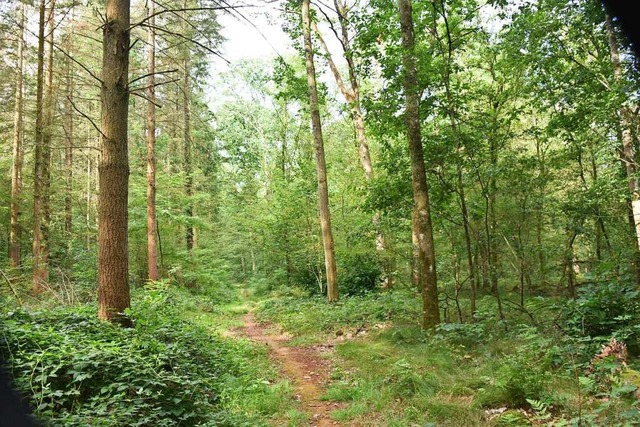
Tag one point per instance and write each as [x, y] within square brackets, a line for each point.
[113, 177]
[188, 185]
[68, 152]
[321, 168]
[415, 252]
[627, 153]
[18, 153]
[152, 231]
[42, 152]
[428, 276]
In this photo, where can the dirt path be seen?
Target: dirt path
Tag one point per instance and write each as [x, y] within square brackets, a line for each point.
[305, 368]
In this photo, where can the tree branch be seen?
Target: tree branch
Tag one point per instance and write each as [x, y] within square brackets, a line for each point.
[73, 104]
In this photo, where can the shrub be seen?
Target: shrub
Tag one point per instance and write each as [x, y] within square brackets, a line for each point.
[601, 312]
[359, 274]
[79, 371]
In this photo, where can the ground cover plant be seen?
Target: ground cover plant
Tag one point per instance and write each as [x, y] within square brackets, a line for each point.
[168, 370]
[391, 372]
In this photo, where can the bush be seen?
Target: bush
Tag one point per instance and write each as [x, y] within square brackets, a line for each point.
[79, 371]
[358, 274]
[601, 312]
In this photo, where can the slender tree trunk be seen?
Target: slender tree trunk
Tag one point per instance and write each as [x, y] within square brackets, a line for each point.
[428, 277]
[455, 130]
[152, 231]
[88, 204]
[460, 187]
[540, 212]
[188, 186]
[627, 153]
[467, 243]
[352, 97]
[18, 153]
[113, 264]
[42, 152]
[493, 223]
[321, 168]
[68, 151]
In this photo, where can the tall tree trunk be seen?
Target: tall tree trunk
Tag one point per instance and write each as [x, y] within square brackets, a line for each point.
[352, 97]
[540, 154]
[88, 205]
[467, 243]
[455, 130]
[42, 152]
[18, 153]
[321, 168]
[68, 151]
[627, 153]
[152, 231]
[492, 241]
[113, 264]
[188, 186]
[428, 277]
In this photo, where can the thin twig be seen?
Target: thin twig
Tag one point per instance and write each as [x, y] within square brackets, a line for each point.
[12, 288]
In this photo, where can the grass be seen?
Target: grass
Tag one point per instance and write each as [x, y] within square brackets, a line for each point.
[395, 374]
[261, 393]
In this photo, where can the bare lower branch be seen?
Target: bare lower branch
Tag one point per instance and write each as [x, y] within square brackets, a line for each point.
[175, 70]
[73, 104]
[186, 9]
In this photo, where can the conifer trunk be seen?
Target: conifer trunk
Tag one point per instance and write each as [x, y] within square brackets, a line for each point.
[152, 231]
[113, 175]
[68, 152]
[18, 153]
[188, 185]
[321, 168]
[44, 104]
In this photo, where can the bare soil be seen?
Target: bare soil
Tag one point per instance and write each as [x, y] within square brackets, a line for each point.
[307, 370]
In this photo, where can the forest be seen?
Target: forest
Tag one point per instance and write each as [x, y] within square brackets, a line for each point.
[421, 213]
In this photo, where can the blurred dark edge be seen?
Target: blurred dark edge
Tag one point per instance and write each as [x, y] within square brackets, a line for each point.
[625, 14]
[13, 410]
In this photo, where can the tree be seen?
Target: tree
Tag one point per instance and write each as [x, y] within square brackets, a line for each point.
[321, 168]
[42, 178]
[113, 170]
[152, 221]
[18, 151]
[426, 250]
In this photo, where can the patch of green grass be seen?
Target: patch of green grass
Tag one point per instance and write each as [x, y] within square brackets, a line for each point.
[259, 393]
[396, 374]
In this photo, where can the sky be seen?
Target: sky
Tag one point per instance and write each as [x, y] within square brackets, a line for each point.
[262, 38]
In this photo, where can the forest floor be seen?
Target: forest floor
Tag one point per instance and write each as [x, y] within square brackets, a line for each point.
[305, 367]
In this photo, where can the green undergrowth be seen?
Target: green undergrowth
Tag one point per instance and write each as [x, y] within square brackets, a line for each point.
[175, 368]
[522, 371]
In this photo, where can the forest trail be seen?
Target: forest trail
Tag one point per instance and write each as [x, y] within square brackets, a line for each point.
[304, 366]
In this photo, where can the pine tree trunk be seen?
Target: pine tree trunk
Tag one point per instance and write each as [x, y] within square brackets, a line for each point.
[152, 231]
[321, 168]
[68, 152]
[113, 265]
[428, 276]
[18, 153]
[42, 152]
[188, 185]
